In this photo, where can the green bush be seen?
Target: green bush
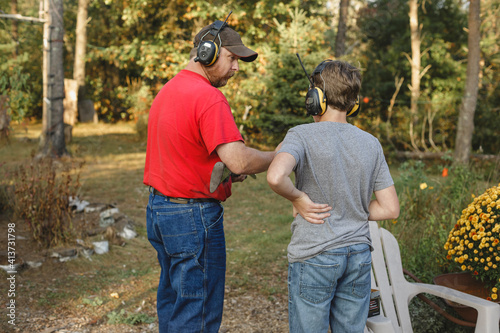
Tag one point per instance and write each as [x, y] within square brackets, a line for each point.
[141, 127]
[431, 203]
[430, 206]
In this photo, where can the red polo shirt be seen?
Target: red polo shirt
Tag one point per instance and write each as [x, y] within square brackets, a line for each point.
[188, 119]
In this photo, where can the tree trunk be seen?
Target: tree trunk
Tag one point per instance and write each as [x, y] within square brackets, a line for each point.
[53, 126]
[415, 70]
[465, 129]
[81, 48]
[342, 29]
[15, 33]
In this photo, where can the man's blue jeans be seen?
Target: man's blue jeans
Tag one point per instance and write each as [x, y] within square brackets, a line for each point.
[330, 289]
[189, 240]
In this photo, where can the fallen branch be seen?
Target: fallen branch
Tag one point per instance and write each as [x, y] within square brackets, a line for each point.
[431, 155]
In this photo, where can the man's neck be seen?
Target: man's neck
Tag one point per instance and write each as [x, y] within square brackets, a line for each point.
[196, 67]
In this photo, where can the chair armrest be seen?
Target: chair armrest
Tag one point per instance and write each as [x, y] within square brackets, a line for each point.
[379, 324]
[488, 312]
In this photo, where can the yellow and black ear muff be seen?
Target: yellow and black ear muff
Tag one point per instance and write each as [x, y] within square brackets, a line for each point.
[355, 109]
[315, 102]
[208, 51]
[315, 98]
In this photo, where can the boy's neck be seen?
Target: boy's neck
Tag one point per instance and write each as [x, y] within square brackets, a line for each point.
[332, 115]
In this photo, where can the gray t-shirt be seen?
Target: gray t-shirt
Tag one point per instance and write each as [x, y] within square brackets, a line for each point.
[340, 165]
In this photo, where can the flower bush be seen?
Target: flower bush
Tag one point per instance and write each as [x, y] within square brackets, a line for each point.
[473, 243]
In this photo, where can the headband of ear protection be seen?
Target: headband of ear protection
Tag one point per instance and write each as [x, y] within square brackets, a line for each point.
[316, 102]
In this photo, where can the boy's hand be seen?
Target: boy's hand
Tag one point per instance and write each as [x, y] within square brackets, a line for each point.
[310, 211]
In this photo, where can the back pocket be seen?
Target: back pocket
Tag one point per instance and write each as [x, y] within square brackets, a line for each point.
[179, 234]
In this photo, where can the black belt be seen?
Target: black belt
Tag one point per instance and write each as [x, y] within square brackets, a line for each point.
[183, 200]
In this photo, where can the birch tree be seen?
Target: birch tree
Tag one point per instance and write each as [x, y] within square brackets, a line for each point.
[52, 140]
[465, 128]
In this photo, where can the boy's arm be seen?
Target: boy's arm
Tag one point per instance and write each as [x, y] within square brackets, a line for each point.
[278, 177]
[385, 205]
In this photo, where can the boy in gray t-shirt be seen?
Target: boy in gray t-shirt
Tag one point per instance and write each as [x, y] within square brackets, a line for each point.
[337, 169]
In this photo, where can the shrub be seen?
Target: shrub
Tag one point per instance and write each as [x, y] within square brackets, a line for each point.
[141, 127]
[473, 242]
[430, 205]
[41, 192]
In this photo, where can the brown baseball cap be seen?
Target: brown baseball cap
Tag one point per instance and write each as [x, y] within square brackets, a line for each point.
[229, 38]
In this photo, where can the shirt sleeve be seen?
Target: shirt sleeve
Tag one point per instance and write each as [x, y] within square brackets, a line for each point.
[383, 177]
[217, 126]
[292, 145]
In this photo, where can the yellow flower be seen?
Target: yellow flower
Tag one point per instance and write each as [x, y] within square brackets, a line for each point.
[423, 186]
[474, 241]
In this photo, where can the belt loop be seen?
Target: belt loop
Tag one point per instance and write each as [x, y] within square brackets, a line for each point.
[151, 191]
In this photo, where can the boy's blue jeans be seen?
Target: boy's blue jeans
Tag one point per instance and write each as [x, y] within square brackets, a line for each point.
[189, 240]
[330, 289]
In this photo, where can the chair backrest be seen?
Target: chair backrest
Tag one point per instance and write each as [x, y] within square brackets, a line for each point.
[388, 277]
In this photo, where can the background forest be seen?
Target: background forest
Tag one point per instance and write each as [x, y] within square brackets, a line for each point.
[134, 47]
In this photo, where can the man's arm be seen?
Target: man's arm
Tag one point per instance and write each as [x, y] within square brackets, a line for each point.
[243, 160]
[385, 206]
[278, 177]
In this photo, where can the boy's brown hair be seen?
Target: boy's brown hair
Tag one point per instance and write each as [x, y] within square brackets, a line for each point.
[341, 83]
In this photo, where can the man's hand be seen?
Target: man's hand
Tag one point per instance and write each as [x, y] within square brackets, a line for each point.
[310, 211]
[238, 178]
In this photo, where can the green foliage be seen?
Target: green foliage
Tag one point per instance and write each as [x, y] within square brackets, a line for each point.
[488, 111]
[282, 104]
[426, 320]
[385, 29]
[40, 196]
[149, 42]
[141, 127]
[21, 62]
[430, 206]
[14, 84]
[122, 317]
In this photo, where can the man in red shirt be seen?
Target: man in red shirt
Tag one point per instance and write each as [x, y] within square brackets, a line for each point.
[191, 136]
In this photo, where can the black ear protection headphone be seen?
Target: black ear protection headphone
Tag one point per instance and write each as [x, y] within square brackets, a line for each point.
[316, 102]
[208, 51]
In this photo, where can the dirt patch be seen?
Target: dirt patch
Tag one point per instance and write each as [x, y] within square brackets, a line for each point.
[85, 296]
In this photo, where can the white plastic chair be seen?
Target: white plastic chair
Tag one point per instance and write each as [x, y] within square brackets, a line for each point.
[396, 292]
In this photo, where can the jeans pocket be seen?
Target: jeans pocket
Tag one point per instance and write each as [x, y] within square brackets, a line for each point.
[192, 278]
[317, 282]
[179, 233]
[362, 284]
[212, 214]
